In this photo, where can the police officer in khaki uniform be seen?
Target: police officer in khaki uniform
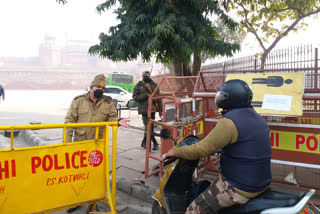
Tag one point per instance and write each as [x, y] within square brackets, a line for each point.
[91, 107]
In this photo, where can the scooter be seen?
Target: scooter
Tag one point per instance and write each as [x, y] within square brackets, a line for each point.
[177, 190]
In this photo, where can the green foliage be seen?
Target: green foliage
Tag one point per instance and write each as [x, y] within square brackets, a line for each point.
[170, 32]
[62, 1]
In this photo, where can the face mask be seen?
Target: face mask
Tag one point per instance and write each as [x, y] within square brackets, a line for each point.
[146, 79]
[98, 93]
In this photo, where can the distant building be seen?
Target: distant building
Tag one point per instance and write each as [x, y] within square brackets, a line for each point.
[49, 53]
[75, 54]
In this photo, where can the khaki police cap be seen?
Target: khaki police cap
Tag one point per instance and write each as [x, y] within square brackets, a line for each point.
[99, 80]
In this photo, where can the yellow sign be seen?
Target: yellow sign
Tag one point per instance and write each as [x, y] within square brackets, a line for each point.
[294, 141]
[188, 130]
[275, 93]
[39, 178]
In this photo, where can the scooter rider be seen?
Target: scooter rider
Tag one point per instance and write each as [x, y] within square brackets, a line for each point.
[242, 136]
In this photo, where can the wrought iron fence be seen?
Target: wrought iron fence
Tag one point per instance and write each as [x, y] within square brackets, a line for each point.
[303, 56]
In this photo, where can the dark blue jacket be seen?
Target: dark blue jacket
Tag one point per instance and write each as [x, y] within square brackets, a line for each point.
[1, 91]
[246, 164]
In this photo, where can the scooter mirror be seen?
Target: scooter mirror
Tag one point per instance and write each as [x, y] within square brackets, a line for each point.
[165, 134]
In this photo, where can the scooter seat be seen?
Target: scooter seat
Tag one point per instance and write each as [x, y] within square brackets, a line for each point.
[271, 198]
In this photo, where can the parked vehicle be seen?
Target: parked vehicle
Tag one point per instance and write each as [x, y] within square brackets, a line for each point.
[123, 80]
[122, 96]
[119, 95]
[178, 190]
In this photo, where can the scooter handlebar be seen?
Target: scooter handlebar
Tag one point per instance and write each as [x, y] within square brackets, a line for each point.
[169, 160]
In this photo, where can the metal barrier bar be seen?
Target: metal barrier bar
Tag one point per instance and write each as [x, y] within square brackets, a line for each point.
[111, 204]
[261, 70]
[54, 126]
[11, 136]
[114, 167]
[64, 135]
[97, 134]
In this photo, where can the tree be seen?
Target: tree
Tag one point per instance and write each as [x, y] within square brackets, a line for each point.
[61, 1]
[172, 31]
[267, 19]
[225, 33]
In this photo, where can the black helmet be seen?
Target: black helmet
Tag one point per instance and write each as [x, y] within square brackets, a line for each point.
[234, 94]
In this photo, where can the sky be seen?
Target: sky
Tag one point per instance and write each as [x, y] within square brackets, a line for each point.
[24, 24]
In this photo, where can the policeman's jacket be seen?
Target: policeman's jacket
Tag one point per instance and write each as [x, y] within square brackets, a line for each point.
[84, 110]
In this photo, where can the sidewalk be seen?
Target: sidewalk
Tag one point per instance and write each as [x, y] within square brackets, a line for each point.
[134, 117]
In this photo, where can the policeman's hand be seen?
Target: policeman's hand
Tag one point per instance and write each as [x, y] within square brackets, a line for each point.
[170, 153]
[124, 123]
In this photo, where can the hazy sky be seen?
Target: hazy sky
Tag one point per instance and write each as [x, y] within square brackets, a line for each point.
[24, 23]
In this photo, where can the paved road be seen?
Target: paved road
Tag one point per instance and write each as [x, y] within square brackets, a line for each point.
[126, 203]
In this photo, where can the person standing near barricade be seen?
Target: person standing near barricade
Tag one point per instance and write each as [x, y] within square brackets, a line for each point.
[141, 93]
[91, 107]
[242, 136]
[1, 93]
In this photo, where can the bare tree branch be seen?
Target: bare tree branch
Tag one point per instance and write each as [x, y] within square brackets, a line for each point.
[250, 27]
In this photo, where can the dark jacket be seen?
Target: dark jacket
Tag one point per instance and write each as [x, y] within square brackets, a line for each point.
[141, 94]
[246, 164]
[1, 91]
